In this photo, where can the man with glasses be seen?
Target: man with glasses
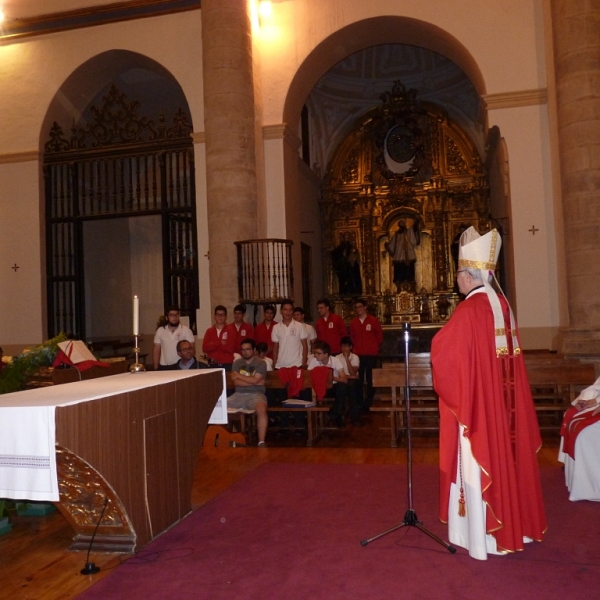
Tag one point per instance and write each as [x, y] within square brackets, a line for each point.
[166, 339]
[219, 343]
[322, 358]
[248, 374]
[187, 359]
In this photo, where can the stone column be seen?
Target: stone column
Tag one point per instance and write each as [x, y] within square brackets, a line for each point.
[229, 124]
[576, 32]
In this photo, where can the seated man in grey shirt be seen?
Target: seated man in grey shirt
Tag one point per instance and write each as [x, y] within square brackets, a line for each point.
[248, 373]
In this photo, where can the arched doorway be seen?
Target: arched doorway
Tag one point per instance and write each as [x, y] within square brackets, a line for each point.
[362, 61]
[119, 197]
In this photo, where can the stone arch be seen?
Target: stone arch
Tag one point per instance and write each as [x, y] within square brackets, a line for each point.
[135, 74]
[339, 45]
[372, 32]
[120, 203]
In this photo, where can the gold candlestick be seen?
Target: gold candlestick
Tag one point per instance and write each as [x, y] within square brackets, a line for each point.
[137, 366]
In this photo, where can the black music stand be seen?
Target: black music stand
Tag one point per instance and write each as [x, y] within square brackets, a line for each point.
[410, 517]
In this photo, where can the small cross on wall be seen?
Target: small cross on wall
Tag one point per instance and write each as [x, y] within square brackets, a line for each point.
[533, 229]
[15, 267]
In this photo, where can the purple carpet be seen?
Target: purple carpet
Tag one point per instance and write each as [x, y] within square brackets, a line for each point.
[290, 531]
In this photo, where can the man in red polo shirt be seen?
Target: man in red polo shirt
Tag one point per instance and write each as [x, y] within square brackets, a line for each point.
[218, 342]
[367, 337]
[264, 330]
[239, 329]
[330, 327]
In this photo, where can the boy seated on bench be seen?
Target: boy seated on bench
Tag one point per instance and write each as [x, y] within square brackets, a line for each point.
[322, 358]
[248, 373]
[351, 364]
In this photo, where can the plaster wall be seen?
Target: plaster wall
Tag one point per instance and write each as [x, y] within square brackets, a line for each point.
[496, 33]
[526, 133]
[38, 66]
[22, 295]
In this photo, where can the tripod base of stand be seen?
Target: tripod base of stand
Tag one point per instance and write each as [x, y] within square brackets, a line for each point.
[411, 520]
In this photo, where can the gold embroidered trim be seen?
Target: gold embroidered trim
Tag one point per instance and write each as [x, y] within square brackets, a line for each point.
[500, 331]
[501, 352]
[493, 247]
[476, 264]
[517, 351]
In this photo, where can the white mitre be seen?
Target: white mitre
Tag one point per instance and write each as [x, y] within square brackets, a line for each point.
[481, 252]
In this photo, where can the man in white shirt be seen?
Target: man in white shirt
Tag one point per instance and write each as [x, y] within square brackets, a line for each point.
[351, 364]
[322, 358]
[290, 348]
[166, 339]
[310, 330]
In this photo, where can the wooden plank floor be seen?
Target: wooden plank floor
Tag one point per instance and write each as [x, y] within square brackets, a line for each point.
[34, 559]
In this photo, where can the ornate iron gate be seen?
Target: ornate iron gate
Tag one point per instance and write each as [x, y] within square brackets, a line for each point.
[118, 165]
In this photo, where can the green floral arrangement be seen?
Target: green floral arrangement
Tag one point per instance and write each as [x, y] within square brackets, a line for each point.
[14, 375]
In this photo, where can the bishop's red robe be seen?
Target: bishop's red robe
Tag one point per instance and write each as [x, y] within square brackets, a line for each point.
[490, 396]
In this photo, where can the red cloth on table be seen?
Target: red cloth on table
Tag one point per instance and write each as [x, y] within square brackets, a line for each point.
[573, 424]
[318, 380]
[62, 359]
[292, 376]
[491, 397]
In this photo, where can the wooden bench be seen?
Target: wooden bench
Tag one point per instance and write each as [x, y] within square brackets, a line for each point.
[314, 414]
[117, 349]
[424, 402]
[555, 382]
[554, 386]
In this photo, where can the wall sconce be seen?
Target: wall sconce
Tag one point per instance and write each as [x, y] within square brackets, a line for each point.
[265, 11]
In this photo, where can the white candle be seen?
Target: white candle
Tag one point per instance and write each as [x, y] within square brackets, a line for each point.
[136, 315]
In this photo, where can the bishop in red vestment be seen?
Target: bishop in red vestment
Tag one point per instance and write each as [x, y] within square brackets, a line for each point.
[490, 491]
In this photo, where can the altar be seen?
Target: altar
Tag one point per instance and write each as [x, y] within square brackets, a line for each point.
[129, 442]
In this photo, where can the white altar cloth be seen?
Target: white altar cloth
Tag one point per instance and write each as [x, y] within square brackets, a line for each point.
[28, 431]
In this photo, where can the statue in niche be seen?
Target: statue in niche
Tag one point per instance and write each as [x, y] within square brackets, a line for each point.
[346, 264]
[456, 243]
[401, 249]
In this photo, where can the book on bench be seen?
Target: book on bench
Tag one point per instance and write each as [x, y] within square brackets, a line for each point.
[296, 403]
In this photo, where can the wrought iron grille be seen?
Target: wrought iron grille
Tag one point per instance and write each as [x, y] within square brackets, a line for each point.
[265, 271]
[119, 165]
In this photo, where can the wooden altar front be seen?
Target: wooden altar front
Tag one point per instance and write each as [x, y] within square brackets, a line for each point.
[135, 449]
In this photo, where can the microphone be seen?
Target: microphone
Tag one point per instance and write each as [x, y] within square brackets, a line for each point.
[90, 568]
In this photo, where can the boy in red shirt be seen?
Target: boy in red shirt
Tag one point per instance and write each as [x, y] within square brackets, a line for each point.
[330, 327]
[263, 330]
[367, 337]
[239, 329]
[219, 344]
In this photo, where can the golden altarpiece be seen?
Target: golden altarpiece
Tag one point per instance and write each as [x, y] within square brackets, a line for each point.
[404, 163]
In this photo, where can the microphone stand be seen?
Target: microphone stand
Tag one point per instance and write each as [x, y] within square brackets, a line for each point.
[90, 567]
[410, 517]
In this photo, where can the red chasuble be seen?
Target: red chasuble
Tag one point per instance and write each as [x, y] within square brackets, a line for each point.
[491, 397]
